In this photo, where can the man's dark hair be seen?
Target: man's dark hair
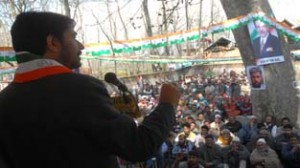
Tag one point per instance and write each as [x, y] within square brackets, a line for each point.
[30, 30]
[190, 118]
[254, 70]
[288, 126]
[204, 127]
[285, 118]
[186, 124]
[193, 153]
[209, 136]
[261, 126]
[294, 136]
[200, 113]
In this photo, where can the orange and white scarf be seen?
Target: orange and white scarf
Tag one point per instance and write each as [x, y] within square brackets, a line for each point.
[37, 69]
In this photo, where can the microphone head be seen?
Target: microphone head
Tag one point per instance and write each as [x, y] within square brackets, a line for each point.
[111, 77]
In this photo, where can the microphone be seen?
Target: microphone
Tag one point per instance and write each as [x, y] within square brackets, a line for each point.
[126, 103]
[111, 77]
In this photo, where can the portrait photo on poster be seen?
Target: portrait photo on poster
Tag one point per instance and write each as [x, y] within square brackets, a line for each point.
[265, 43]
[256, 77]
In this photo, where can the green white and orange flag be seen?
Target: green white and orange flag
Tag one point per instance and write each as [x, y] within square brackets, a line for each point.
[7, 54]
[120, 47]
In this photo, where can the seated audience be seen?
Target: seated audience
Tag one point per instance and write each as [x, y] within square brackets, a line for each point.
[269, 123]
[290, 153]
[191, 162]
[285, 121]
[225, 138]
[182, 147]
[235, 127]
[200, 137]
[237, 155]
[283, 138]
[215, 127]
[191, 136]
[250, 128]
[210, 154]
[263, 156]
[262, 133]
[246, 106]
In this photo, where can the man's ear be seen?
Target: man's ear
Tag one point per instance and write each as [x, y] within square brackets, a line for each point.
[53, 45]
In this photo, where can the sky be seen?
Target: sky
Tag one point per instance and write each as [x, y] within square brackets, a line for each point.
[283, 9]
[286, 9]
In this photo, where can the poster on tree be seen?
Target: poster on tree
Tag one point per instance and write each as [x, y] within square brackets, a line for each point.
[256, 77]
[265, 43]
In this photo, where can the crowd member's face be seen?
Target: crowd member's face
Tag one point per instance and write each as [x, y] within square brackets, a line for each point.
[193, 126]
[231, 119]
[186, 130]
[179, 112]
[294, 141]
[268, 119]
[287, 131]
[256, 78]
[200, 117]
[179, 107]
[217, 119]
[70, 51]
[285, 122]
[262, 28]
[192, 160]
[181, 139]
[253, 120]
[235, 144]
[204, 131]
[207, 123]
[200, 96]
[263, 132]
[194, 107]
[209, 142]
[226, 135]
[260, 146]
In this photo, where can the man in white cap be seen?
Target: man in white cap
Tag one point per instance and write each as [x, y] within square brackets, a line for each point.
[263, 156]
[250, 128]
[237, 154]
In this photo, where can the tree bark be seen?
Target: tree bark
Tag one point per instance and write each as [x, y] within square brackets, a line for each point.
[122, 21]
[67, 8]
[187, 25]
[280, 97]
[148, 19]
[112, 23]
[200, 26]
[165, 25]
[12, 7]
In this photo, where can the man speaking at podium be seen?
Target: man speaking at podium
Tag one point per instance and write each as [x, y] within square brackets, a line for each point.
[52, 117]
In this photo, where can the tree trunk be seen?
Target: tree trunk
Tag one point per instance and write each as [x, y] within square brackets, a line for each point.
[165, 25]
[147, 17]
[122, 21]
[187, 26]
[280, 97]
[212, 18]
[112, 23]
[200, 26]
[67, 8]
[12, 7]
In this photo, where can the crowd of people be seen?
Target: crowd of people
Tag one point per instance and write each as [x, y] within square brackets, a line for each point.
[216, 127]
